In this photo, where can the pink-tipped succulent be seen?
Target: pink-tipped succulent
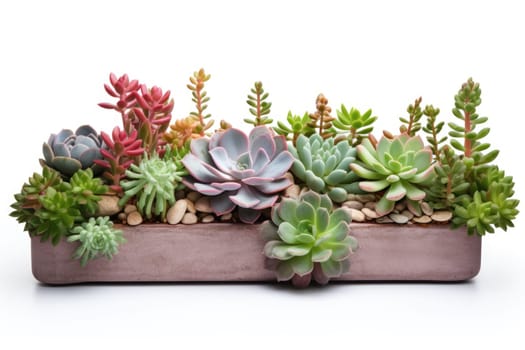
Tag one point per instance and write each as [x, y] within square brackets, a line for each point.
[239, 170]
[119, 155]
[148, 111]
[401, 166]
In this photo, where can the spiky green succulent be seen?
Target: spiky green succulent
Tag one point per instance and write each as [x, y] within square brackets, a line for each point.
[308, 239]
[86, 191]
[69, 152]
[297, 125]
[490, 206]
[97, 238]
[402, 167]
[153, 182]
[324, 166]
[356, 125]
[49, 206]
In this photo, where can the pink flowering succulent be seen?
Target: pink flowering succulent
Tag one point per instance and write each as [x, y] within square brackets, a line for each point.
[236, 170]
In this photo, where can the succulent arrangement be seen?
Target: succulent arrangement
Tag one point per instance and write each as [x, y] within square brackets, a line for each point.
[305, 179]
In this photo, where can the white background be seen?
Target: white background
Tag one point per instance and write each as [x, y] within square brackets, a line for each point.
[55, 57]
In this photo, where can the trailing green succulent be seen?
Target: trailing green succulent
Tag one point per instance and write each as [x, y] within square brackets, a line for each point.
[49, 207]
[297, 126]
[402, 167]
[259, 107]
[97, 238]
[86, 191]
[324, 166]
[355, 124]
[412, 125]
[153, 182]
[306, 239]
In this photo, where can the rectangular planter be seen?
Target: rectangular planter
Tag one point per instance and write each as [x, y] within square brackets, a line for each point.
[233, 252]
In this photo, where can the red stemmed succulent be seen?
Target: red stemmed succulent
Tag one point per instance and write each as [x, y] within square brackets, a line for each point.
[121, 151]
[147, 111]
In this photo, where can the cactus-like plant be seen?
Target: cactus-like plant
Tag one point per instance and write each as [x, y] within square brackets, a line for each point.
[69, 152]
[97, 237]
[401, 166]
[323, 166]
[259, 107]
[153, 182]
[308, 239]
[239, 170]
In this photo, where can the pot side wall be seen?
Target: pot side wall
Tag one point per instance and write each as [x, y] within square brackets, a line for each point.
[233, 252]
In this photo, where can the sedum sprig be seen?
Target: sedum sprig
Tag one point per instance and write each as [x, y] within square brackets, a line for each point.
[322, 119]
[466, 101]
[200, 98]
[414, 116]
[259, 106]
[433, 129]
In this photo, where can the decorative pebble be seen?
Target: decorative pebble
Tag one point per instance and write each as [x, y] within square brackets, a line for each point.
[129, 208]
[425, 219]
[108, 206]
[415, 210]
[400, 206]
[226, 217]
[408, 214]
[357, 215]
[134, 218]
[193, 196]
[384, 220]
[398, 218]
[369, 213]
[353, 205]
[203, 205]
[442, 216]
[370, 205]
[191, 206]
[427, 209]
[292, 191]
[363, 198]
[289, 176]
[176, 212]
[122, 217]
[189, 219]
[207, 219]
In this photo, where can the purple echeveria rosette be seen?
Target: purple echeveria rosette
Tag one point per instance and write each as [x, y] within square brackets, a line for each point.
[234, 169]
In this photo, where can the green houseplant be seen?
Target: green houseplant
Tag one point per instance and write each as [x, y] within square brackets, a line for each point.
[307, 179]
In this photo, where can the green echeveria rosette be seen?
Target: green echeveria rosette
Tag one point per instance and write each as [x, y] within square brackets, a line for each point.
[308, 239]
[153, 182]
[97, 237]
[69, 152]
[402, 167]
[324, 166]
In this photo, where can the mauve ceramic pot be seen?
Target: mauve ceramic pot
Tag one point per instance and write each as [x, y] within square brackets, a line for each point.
[233, 252]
